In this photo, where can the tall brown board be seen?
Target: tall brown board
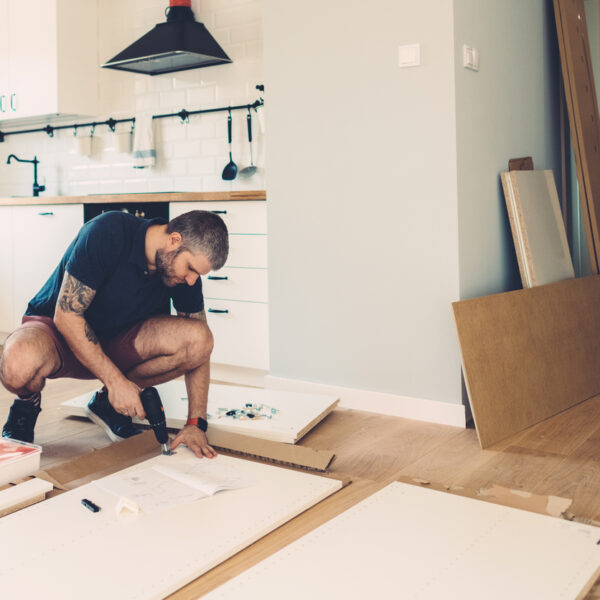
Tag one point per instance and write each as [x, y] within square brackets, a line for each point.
[529, 354]
[582, 107]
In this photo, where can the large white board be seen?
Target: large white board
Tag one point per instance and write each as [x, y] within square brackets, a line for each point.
[297, 413]
[410, 542]
[537, 226]
[59, 549]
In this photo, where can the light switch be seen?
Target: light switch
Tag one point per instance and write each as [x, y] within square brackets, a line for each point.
[409, 55]
[470, 58]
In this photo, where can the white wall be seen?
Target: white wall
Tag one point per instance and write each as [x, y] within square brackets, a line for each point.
[363, 232]
[190, 157]
[507, 109]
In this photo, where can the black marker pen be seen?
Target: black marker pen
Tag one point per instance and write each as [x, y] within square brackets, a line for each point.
[90, 505]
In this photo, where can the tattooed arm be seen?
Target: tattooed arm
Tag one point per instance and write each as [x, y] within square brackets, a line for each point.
[196, 383]
[74, 299]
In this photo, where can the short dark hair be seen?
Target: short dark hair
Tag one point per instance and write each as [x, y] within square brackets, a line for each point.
[202, 231]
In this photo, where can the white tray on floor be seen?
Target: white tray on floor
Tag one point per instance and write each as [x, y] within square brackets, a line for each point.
[297, 413]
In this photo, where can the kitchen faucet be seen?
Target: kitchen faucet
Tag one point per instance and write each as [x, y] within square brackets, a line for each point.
[36, 187]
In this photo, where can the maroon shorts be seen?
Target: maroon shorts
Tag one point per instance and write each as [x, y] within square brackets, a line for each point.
[120, 348]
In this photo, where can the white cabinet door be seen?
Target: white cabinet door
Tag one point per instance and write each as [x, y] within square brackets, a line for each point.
[6, 269]
[4, 60]
[41, 235]
[32, 57]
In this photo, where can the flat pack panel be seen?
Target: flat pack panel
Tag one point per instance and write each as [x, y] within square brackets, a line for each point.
[297, 413]
[529, 354]
[537, 227]
[410, 542]
[582, 106]
[81, 554]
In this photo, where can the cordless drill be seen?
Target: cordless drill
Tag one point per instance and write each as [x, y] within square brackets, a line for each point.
[155, 413]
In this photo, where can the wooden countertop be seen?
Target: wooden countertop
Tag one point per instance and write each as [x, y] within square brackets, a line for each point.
[132, 198]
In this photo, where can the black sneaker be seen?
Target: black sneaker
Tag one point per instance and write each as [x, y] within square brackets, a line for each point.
[117, 426]
[21, 420]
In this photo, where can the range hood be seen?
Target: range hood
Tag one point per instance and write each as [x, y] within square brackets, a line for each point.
[180, 43]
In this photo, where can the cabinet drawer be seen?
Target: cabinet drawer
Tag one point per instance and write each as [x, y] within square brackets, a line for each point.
[240, 216]
[237, 284]
[241, 334]
[247, 251]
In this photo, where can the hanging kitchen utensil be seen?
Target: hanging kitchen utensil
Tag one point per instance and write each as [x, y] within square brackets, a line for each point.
[230, 170]
[249, 171]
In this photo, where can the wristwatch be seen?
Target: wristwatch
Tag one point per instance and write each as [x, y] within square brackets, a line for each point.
[199, 422]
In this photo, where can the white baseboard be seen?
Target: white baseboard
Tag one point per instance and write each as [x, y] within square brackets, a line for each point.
[420, 409]
[239, 375]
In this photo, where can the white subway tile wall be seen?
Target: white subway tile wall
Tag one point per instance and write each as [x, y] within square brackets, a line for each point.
[190, 156]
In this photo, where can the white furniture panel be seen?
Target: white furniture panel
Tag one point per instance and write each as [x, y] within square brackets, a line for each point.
[411, 542]
[80, 554]
[247, 251]
[248, 216]
[6, 270]
[237, 284]
[42, 233]
[239, 332]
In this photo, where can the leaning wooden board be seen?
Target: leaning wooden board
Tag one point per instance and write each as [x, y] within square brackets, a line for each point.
[529, 354]
[584, 119]
[80, 554]
[412, 542]
[297, 413]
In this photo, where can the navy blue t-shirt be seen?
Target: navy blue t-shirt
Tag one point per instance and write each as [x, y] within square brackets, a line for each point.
[109, 256]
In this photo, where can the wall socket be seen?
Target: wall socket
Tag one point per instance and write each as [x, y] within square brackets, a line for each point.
[470, 58]
[409, 55]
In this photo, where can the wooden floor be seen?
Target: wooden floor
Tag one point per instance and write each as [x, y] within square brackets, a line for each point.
[560, 456]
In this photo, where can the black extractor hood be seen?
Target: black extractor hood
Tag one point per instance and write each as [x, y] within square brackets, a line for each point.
[180, 43]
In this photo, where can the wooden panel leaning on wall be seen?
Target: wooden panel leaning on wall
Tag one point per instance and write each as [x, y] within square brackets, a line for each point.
[529, 354]
[582, 106]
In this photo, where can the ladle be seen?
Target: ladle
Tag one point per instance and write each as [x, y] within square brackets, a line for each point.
[249, 171]
[230, 170]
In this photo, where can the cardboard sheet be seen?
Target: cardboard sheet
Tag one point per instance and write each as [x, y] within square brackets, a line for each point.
[529, 354]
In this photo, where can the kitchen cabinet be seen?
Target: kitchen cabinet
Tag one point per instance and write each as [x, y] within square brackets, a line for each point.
[38, 237]
[236, 296]
[48, 58]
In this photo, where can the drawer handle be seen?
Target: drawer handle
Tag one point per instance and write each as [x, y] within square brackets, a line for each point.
[2, 104]
[219, 212]
[45, 214]
[215, 278]
[216, 310]
[13, 101]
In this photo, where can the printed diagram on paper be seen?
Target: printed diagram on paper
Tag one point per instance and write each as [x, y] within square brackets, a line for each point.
[162, 486]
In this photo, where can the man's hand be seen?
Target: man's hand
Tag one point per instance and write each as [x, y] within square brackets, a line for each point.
[195, 440]
[124, 396]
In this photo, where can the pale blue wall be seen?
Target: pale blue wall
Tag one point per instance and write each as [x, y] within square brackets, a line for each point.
[367, 180]
[507, 109]
[361, 188]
